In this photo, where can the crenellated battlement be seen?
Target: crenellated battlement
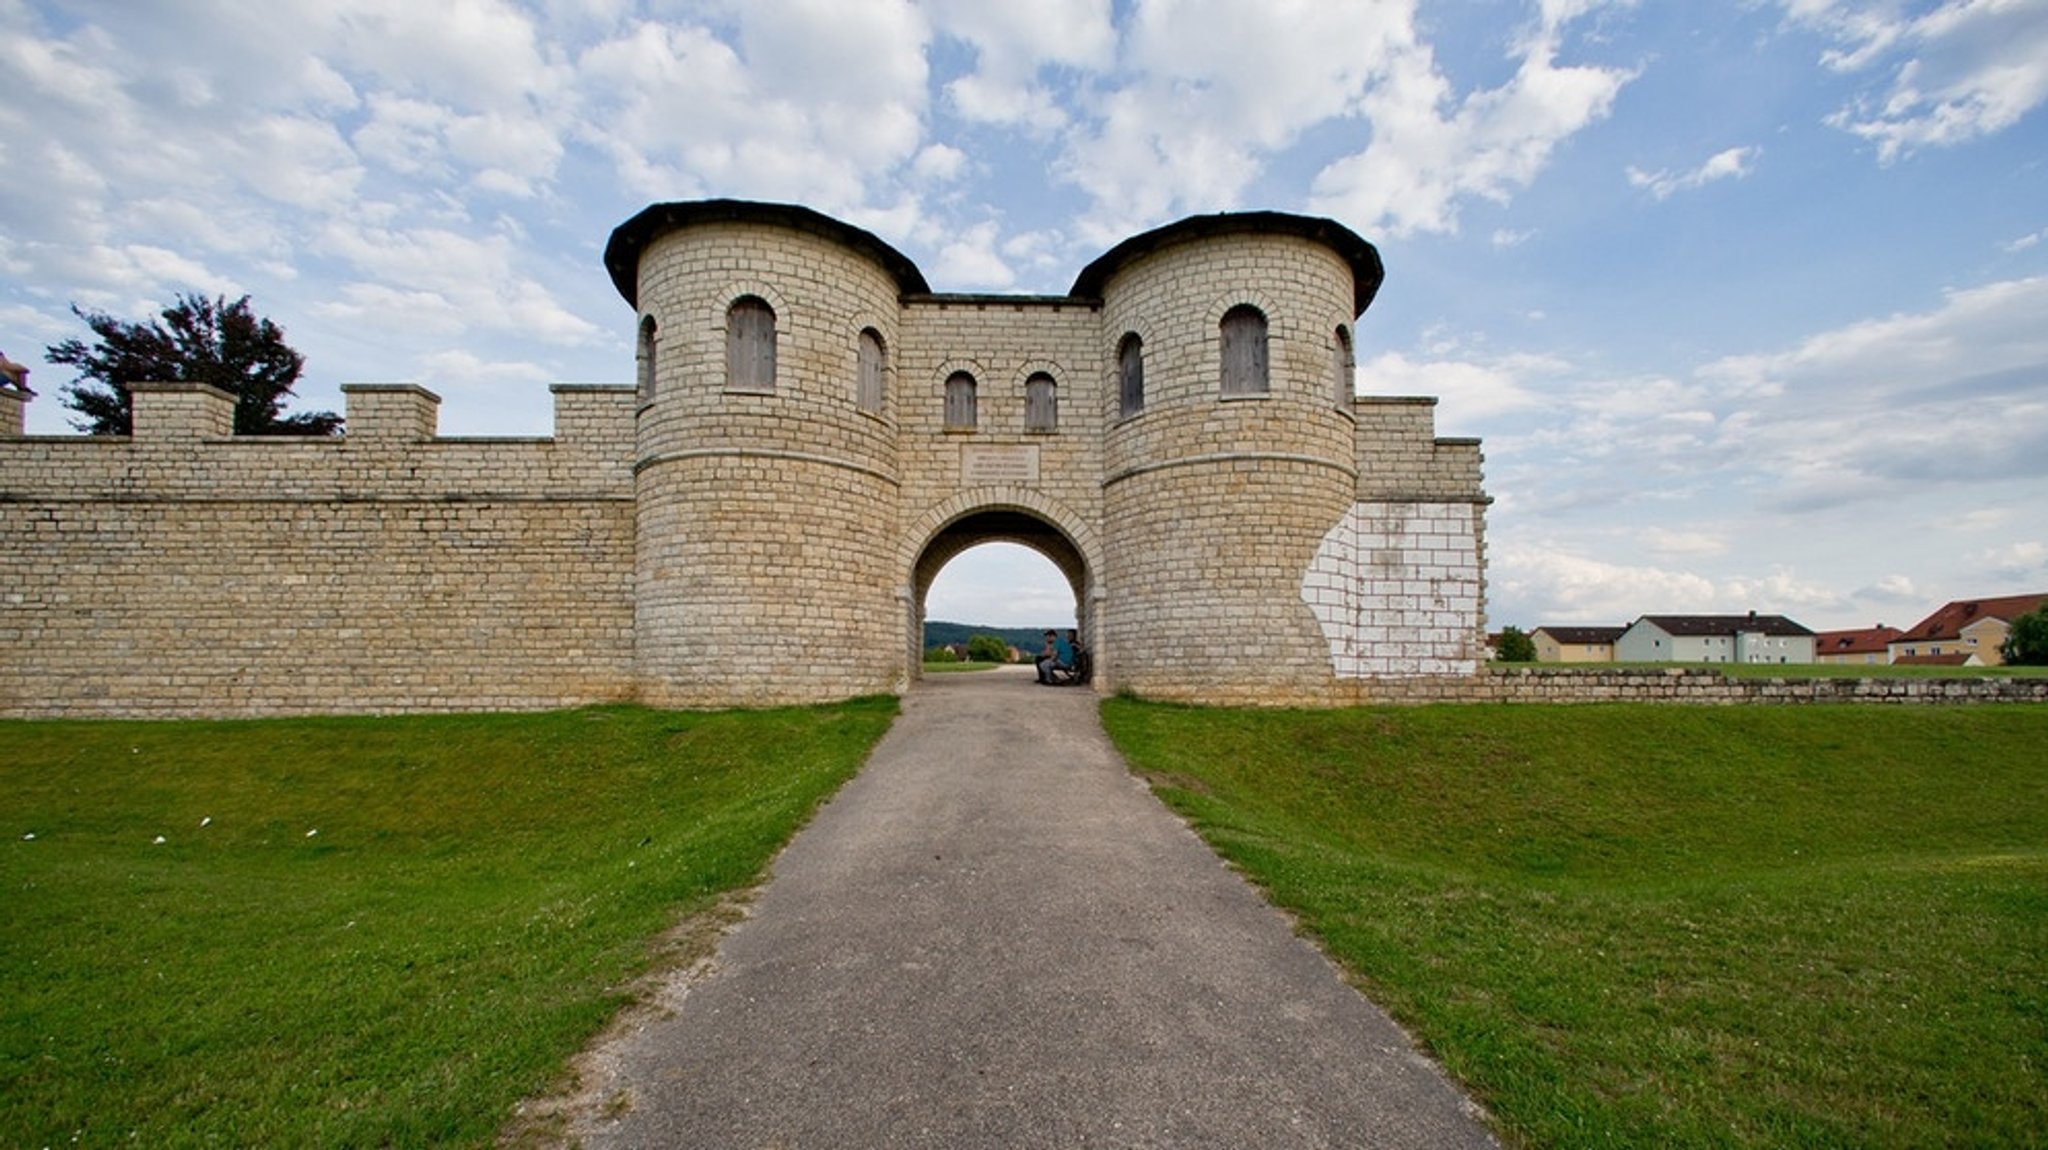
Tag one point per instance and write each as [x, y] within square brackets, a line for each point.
[183, 446]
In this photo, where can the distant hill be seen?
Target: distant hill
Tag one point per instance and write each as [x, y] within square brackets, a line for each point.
[940, 634]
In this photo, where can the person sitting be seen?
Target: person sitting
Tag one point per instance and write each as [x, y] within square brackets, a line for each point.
[1048, 658]
[1072, 667]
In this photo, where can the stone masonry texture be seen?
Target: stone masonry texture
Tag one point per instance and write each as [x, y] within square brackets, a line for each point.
[693, 541]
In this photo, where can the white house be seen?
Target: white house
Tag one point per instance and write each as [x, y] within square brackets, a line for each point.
[1750, 638]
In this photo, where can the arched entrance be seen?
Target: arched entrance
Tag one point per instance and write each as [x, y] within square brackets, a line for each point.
[1038, 528]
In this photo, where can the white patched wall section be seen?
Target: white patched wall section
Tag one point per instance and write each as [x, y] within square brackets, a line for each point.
[1395, 587]
[813, 434]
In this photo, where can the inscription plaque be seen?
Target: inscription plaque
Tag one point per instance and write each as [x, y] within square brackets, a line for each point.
[987, 463]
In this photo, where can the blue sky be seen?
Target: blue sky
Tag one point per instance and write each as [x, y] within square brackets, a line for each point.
[1748, 300]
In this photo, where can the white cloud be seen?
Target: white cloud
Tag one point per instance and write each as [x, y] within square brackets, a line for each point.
[826, 99]
[1431, 148]
[1894, 589]
[1976, 333]
[971, 262]
[2027, 241]
[479, 54]
[300, 162]
[1014, 44]
[939, 163]
[1963, 70]
[1733, 163]
[1466, 390]
[448, 282]
[1670, 543]
[1002, 585]
[476, 390]
[2019, 564]
[1984, 518]
[377, 307]
[1570, 588]
[1214, 87]
[1551, 584]
[1886, 408]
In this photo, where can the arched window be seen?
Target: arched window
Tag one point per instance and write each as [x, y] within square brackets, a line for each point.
[1130, 375]
[959, 400]
[869, 393]
[1041, 403]
[646, 358]
[750, 345]
[1344, 368]
[1244, 351]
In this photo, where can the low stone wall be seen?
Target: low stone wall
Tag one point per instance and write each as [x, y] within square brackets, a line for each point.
[1695, 685]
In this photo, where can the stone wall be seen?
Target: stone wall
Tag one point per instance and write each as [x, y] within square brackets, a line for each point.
[709, 539]
[1694, 685]
[1214, 506]
[766, 518]
[1396, 587]
[185, 572]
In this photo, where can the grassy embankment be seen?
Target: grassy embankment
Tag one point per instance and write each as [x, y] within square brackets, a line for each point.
[934, 667]
[1664, 926]
[361, 932]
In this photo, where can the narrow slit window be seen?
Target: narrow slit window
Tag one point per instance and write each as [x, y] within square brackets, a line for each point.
[648, 344]
[1244, 351]
[750, 345]
[1344, 368]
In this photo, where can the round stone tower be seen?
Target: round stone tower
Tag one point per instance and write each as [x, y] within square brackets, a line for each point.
[766, 456]
[1232, 453]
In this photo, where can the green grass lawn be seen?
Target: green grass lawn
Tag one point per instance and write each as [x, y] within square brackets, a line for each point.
[1664, 926]
[361, 932]
[939, 668]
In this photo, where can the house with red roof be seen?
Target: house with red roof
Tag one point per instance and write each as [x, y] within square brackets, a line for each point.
[1967, 627]
[1869, 645]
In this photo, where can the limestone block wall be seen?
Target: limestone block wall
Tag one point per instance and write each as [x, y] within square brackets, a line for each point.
[1000, 463]
[183, 571]
[1001, 343]
[766, 518]
[13, 410]
[1214, 506]
[722, 535]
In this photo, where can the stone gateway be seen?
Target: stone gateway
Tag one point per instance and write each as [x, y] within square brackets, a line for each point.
[812, 435]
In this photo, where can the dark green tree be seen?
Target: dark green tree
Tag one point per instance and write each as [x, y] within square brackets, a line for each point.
[987, 649]
[1515, 647]
[195, 340]
[2026, 645]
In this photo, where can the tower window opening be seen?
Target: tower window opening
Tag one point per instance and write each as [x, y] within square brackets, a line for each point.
[648, 343]
[1130, 375]
[1344, 368]
[750, 345]
[1244, 351]
[870, 392]
[1041, 403]
[959, 401]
